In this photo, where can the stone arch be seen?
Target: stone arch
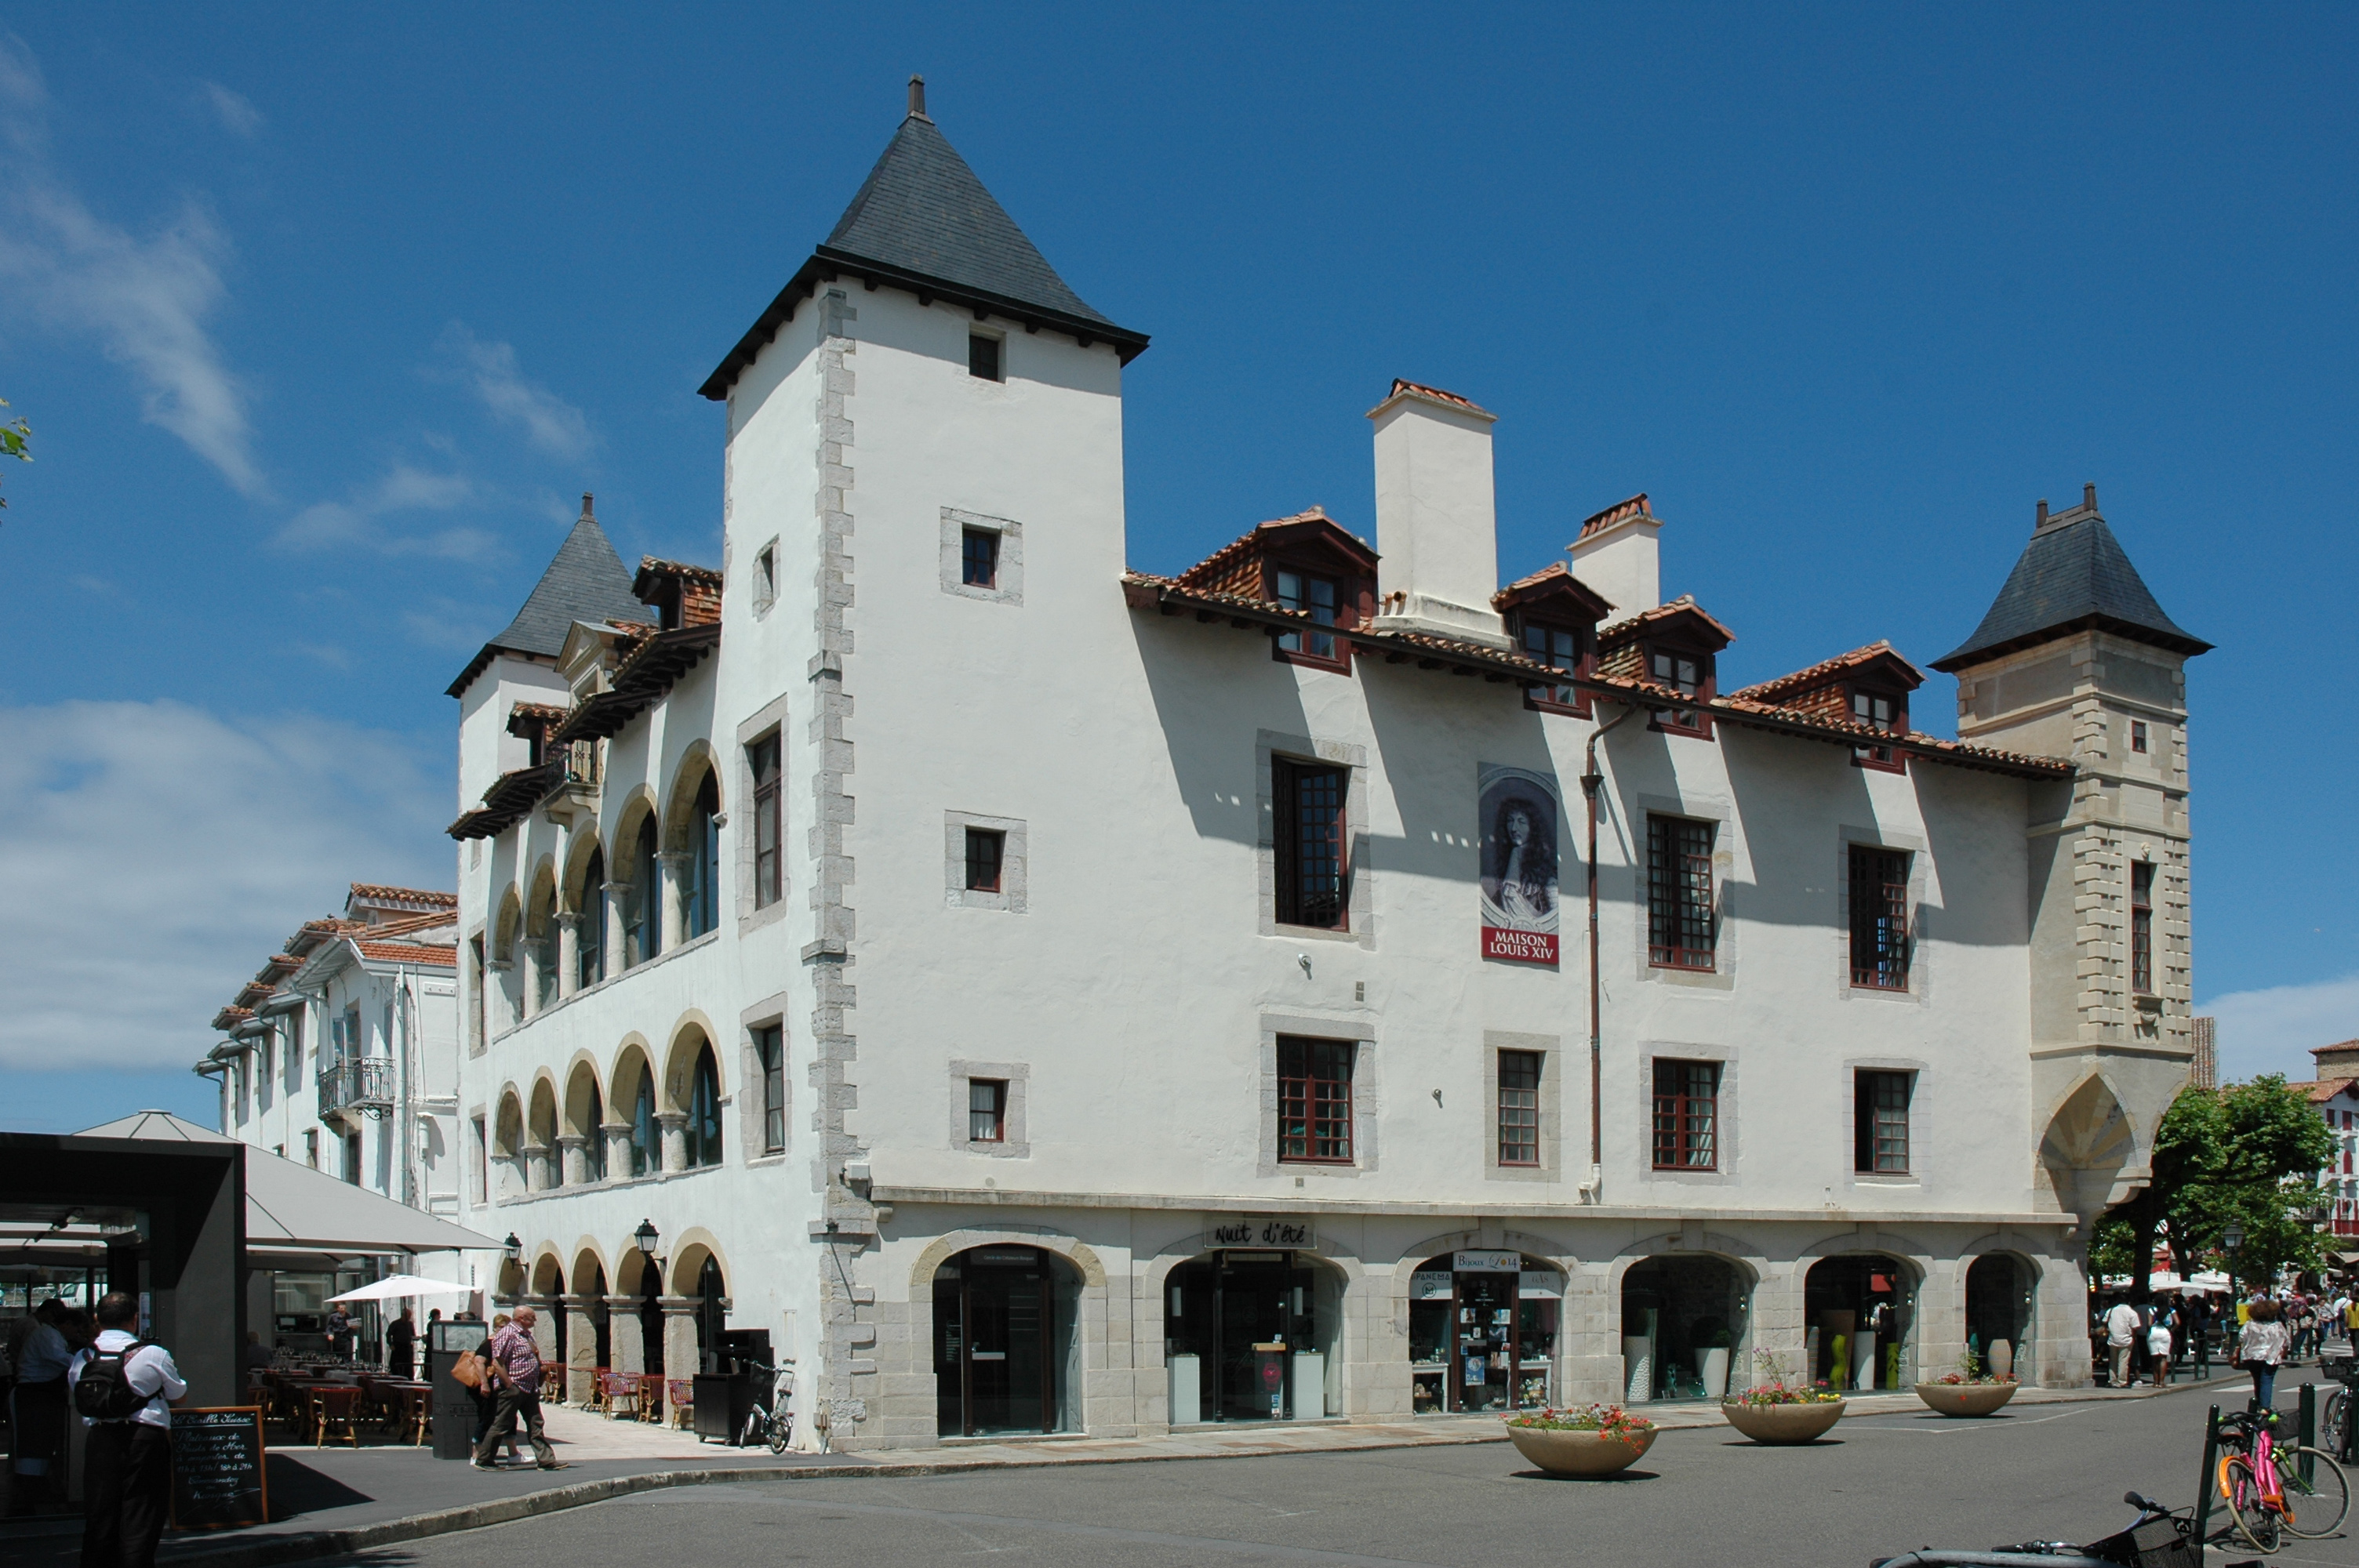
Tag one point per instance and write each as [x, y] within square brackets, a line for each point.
[541, 903]
[698, 763]
[2092, 1153]
[1849, 1257]
[547, 1272]
[507, 926]
[540, 1125]
[689, 1035]
[1081, 1255]
[632, 1267]
[1994, 1308]
[586, 846]
[689, 1251]
[691, 839]
[589, 1254]
[1686, 1279]
[507, 1125]
[639, 803]
[634, 1066]
[583, 1092]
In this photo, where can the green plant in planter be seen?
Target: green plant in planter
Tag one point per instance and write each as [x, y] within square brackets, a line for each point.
[1775, 1390]
[1972, 1369]
[1609, 1420]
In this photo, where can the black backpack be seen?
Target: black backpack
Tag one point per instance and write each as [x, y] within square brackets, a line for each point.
[103, 1390]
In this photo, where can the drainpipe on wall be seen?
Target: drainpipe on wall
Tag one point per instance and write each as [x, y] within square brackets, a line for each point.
[1591, 781]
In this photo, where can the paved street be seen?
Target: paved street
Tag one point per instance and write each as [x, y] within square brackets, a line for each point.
[1701, 1497]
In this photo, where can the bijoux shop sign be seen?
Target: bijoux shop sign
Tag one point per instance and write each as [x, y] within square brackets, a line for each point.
[1265, 1233]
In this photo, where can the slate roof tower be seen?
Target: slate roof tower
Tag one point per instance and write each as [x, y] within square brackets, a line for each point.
[2076, 659]
[585, 580]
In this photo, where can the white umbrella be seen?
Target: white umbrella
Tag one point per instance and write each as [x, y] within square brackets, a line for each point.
[394, 1286]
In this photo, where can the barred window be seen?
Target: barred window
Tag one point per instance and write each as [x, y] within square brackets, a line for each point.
[1880, 1121]
[1314, 1101]
[1311, 873]
[1520, 1108]
[1879, 918]
[768, 827]
[985, 849]
[979, 557]
[1686, 1116]
[1679, 921]
[2142, 927]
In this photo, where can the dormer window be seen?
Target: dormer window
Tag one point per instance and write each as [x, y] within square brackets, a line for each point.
[1558, 647]
[1316, 597]
[1882, 710]
[1689, 673]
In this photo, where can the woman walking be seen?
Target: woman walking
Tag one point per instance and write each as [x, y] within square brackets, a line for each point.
[2259, 1350]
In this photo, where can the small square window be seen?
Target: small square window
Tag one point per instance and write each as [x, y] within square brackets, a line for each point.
[979, 557]
[1880, 1123]
[766, 576]
[1520, 1108]
[2137, 734]
[982, 357]
[986, 1110]
[985, 848]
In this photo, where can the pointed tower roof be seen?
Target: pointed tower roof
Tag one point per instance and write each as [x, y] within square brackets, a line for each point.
[923, 221]
[2074, 576]
[585, 581]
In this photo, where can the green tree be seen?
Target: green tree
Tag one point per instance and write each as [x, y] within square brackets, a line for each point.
[2250, 1154]
[16, 441]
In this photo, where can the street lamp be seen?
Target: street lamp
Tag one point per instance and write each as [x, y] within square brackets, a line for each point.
[2233, 1238]
[646, 1236]
[513, 1247]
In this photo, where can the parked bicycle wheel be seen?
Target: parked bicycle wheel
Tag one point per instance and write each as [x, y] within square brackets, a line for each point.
[2331, 1418]
[2314, 1508]
[782, 1432]
[2256, 1520]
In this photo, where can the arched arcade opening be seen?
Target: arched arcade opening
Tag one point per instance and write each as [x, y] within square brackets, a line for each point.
[1254, 1335]
[1006, 1346]
[1685, 1323]
[1483, 1332]
[1859, 1310]
[2002, 1291]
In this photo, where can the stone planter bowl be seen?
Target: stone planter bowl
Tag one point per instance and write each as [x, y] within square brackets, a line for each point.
[1579, 1453]
[1783, 1423]
[1966, 1398]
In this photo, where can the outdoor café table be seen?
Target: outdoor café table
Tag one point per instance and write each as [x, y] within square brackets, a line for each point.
[414, 1401]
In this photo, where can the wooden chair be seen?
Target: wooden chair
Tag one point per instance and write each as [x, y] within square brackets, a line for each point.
[596, 1402]
[553, 1381]
[417, 1411]
[333, 1406]
[651, 1397]
[619, 1393]
[682, 1399]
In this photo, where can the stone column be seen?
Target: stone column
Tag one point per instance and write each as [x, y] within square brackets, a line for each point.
[581, 1349]
[544, 1328]
[496, 981]
[538, 1176]
[618, 1135]
[672, 892]
[617, 895]
[675, 1139]
[623, 1338]
[534, 964]
[679, 1336]
[573, 1165]
[568, 952]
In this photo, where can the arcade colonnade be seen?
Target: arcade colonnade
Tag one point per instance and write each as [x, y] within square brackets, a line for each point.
[1126, 1321]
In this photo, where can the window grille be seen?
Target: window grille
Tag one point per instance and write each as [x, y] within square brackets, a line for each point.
[1314, 1101]
[986, 1110]
[985, 850]
[1520, 1108]
[767, 822]
[1686, 1116]
[1879, 918]
[1312, 872]
[1317, 596]
[979, 557]
[1680, 932]
[2142, 927]
[1880, 1121]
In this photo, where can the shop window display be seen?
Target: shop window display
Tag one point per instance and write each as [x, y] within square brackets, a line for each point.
[1683, 1327]
[1006, 1354]
[1483, 1328]
[2000, 1296]
[1859, 1316]
[1252, 1335]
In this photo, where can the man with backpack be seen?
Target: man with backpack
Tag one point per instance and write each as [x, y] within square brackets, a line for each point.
[123, 1387]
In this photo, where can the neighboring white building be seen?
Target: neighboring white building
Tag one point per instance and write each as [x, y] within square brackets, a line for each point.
[1026, 991]
[2336, 1093]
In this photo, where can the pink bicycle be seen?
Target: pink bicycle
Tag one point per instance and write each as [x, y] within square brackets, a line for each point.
[2275, 1490]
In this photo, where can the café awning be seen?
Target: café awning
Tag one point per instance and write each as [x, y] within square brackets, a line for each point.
[403, 1287]
[291, 1208]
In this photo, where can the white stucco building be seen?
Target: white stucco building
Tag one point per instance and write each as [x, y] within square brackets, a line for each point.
[1044, 996]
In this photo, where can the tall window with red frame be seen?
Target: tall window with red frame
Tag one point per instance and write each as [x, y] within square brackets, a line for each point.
[1312, 871]
[2142, 927]
[1314, 1101]
[1687, 1115]
[1520, 1108]
[1879, 918]
[1680, 924]
[768, 857]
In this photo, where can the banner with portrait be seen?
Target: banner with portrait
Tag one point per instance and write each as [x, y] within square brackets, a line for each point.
[1520, 815]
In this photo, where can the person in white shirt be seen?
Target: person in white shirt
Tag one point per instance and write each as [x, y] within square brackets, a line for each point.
[2157, 1349]
[2121, 1329]
[36, 1423]
[127, 1462]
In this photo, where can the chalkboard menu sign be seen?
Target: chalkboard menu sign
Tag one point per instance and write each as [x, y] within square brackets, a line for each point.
[218, 1477]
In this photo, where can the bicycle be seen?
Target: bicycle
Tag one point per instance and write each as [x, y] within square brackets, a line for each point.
[2157, 1538]
[2268, 1498]
[774, 1423]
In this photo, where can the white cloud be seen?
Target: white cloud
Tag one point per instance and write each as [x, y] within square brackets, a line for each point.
[238, 115]
[146, 300]
[548, 422]
[363, 521]
[153, 854]
[2274, 1030]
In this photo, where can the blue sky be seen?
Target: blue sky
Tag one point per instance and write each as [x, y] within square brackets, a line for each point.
[324, 317]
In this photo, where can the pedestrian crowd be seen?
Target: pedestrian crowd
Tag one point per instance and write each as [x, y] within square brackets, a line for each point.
[2259, 1333]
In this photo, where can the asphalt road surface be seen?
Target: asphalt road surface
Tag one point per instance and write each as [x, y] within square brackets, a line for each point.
[1880, 1486]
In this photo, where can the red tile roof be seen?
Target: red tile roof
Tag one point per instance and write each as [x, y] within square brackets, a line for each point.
[1553, 573]
[654, 566]
[1818, 675]
[1685, 604]
[378, 891]
[410, 953]
[1216, 566]
[1420, 390]
[1619, 512]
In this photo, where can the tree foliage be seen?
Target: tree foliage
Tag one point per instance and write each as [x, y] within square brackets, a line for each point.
[16, 441]
[2250, 1154]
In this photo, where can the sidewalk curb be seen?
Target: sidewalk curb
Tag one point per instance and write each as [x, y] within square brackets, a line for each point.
[263, 1551]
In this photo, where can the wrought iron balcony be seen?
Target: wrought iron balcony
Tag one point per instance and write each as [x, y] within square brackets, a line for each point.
[357, 1084]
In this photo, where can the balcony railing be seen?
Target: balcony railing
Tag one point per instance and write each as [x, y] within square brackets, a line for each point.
[362, 1085]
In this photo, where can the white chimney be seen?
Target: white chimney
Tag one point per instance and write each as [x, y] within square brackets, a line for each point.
[1615, 555]
[1435, 525]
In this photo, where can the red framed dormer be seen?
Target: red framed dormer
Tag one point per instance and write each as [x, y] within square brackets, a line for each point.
[1552, 618]
[1308, 564]
[1867, 689]
[1674, 649]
